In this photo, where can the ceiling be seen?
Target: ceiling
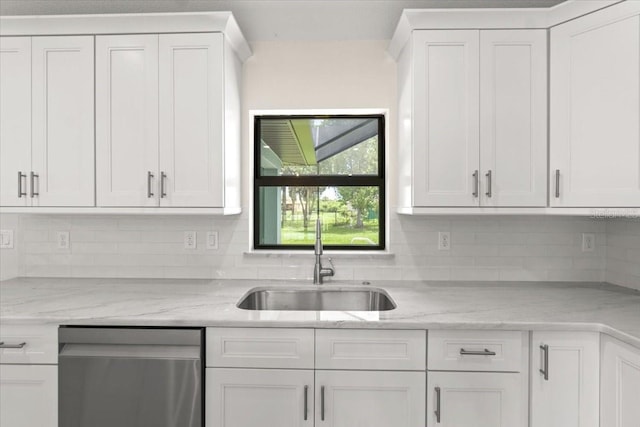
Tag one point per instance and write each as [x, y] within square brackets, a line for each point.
[304, 20]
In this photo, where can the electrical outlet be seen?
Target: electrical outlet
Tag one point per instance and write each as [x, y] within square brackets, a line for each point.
[6, 239]
[62, 237]
[444, 241]
[212, 240]
[190, 239]
[588, 242]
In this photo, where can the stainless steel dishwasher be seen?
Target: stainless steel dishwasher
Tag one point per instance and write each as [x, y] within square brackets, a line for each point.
[130, 377]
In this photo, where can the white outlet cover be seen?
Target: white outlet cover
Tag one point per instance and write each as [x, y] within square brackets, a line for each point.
[588, 242]
[62, 238]
[212, 240]
[6, 239]
[444, 241]
[190, 240]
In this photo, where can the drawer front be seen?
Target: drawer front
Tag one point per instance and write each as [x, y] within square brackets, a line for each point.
[260, 348]
[362, 349]
[496, 351]
[29, 344]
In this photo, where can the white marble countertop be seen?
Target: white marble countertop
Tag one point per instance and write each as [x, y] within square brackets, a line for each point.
[421, 305]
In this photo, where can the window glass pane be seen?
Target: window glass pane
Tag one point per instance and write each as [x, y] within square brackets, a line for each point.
[318, 146]
[349, 215]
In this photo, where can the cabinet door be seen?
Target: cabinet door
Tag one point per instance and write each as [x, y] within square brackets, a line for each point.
[370, 398]
[63, 132]
[595, 109]
[15, 119]
[259, 397]
[446, 127]
[28, 395]
[191, 119]
[569, 395]
[475, 399]
[620, 392]
[513, 117]
[127, 120]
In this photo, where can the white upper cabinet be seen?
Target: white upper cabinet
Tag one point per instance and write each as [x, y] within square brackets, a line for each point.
[15, 120]
[167, 112]
[162, 118]
[127, 120]
[47, 121]
[595, 109]
[62, 124]
[445, 119]
[192, 120]
[473, 119]
[513, 117]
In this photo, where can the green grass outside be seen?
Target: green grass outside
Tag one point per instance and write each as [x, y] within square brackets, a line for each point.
[334, 232]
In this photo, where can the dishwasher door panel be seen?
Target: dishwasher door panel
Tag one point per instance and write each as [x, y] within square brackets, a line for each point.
[107, 392]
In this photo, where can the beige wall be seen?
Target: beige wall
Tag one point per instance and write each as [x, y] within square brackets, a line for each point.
[318, 75]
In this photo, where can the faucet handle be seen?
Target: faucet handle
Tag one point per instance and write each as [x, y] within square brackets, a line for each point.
[333, 268]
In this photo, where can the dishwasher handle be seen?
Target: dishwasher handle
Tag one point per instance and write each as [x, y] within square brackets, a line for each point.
[130, 351]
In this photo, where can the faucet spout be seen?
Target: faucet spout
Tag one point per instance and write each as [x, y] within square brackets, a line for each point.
[319, 272]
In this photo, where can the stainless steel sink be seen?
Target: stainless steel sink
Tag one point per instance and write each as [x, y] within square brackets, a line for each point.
[317, 299]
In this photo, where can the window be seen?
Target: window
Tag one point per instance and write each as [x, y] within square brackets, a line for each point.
[327, 167]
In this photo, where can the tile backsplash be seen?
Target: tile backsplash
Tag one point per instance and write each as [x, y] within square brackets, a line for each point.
[623, 253]
[482, 248]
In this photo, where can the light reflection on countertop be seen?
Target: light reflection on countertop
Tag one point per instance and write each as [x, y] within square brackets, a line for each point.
[564, 306]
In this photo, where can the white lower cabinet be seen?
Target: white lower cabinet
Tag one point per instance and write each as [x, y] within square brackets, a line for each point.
[370, 398]
[620, 384]
[477, 378]
[564, 379]
[259, 397]
[28, 375]
[475, 399]
[28, 395]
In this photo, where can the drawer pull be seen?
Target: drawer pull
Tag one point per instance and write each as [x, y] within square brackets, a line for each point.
[33, 177]
[322, 403]
[437, 411]
[21, 345]
[484, 352]
[545, 361]
[149, 179]
[306, 393]
[20, 176]
[488, 175]
[163, 178]
[476, 184]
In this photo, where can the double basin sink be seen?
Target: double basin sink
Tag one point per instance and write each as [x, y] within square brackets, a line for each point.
[317, 299]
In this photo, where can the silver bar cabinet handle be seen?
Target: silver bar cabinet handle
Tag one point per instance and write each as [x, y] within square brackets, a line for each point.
[488, 175]
[21, 345]
[20, 192]
[557, 183]
[149, 178]
[306, 393]
[476, 184]
[545, 363]
[437, 411]
[163, 177]
[33, 186]
[322, 403]
[485, 352]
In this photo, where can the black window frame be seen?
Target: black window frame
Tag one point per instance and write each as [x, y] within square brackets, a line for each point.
[378, 181]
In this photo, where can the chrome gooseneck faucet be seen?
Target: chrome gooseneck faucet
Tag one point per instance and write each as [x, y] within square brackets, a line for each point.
[318, 271]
